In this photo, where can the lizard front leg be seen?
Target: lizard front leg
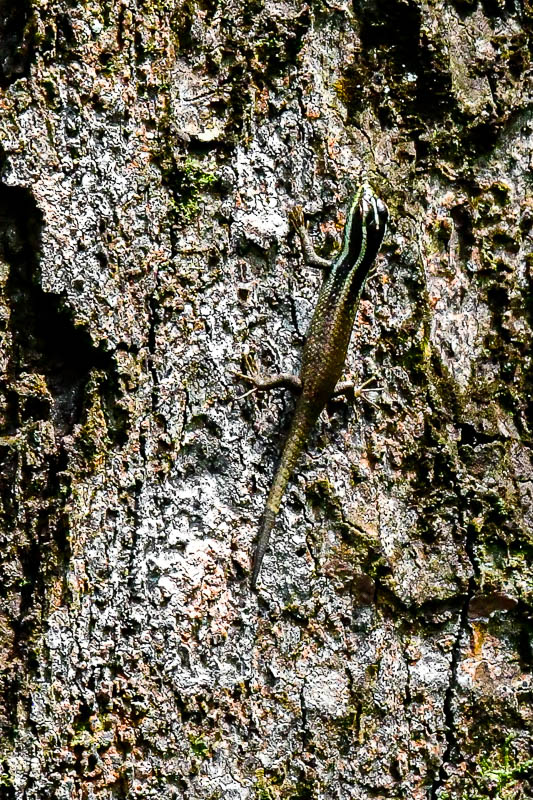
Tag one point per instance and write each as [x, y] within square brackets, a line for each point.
[311, 257]
[286, 380]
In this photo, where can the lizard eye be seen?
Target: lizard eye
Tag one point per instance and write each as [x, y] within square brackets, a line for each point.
[375, 218]
[375, 212]
[382, 215]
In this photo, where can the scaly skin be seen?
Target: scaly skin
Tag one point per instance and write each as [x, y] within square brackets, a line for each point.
[327, 340]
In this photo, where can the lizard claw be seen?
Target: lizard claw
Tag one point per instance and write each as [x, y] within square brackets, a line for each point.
[352, 391]
[365, 387]
[250, 377]
[244, 377]
[296, 218]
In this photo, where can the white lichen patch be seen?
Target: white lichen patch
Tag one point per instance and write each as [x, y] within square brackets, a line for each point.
[326, 692]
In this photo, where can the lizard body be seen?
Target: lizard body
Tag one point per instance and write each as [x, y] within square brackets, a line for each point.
[327, 339]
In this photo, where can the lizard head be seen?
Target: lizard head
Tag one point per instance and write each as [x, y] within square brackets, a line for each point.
[365, 227]
[375, 214]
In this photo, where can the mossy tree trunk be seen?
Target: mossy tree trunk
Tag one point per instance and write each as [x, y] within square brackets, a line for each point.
[150, 153]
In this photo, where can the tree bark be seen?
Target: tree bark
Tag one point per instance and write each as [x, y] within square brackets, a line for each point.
[150, 154]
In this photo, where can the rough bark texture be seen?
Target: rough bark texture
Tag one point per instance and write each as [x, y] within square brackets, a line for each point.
[150, 154]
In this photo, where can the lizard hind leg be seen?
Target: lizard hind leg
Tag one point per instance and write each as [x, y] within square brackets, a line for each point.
[349, 389]
[263, 383]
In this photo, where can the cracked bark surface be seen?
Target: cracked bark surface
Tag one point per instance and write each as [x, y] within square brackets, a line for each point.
[150, 153]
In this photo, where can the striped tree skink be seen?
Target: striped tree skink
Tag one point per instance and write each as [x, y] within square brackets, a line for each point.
[327, 341]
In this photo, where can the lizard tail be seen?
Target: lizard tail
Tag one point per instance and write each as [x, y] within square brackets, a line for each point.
[267, 523]
[304, 418]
